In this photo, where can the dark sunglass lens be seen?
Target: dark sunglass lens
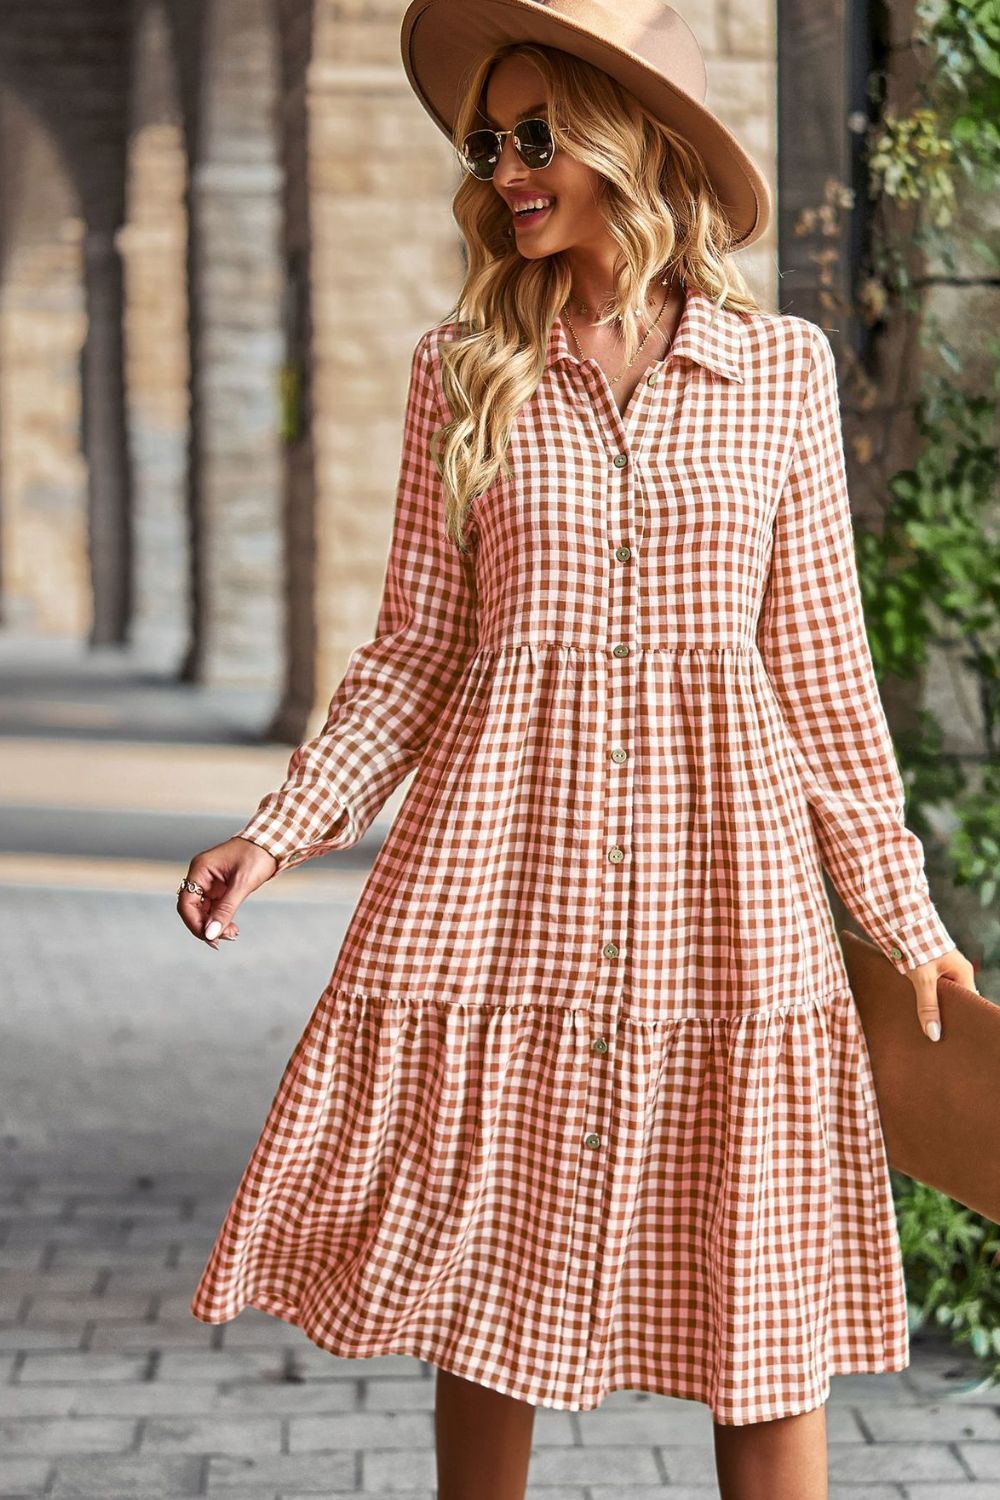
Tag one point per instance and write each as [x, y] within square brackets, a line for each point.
[533, 139]
[480, 151]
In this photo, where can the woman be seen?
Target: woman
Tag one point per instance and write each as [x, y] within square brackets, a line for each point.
[586, 1103]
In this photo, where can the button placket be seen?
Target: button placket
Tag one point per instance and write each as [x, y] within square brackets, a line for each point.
[594, 1112]
[622, 619]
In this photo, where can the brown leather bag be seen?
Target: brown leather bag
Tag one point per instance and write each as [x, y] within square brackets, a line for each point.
[938, 1101]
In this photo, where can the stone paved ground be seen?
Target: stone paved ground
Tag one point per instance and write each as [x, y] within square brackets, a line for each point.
[108, 1386]
[136, 1068]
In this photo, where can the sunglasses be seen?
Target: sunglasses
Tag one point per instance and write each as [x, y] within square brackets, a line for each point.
[533, 143]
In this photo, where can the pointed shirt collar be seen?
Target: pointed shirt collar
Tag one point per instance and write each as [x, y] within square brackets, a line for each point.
[713, 337]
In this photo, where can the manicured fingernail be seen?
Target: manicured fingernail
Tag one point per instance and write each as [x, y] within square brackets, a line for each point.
[934, 1030]
[213, 929]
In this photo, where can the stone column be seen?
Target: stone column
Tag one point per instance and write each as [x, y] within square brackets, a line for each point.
[67, 64]
[153, 244]
[235, 288]
[43, 479]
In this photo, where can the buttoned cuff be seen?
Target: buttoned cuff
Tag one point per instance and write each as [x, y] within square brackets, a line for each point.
[269, 829]
[917, 943]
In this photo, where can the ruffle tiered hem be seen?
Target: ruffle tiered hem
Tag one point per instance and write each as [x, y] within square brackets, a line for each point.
[561, 1202]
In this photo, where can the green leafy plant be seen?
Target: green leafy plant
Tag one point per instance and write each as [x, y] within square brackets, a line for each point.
[930, 568]
[931, 574]
[912, 161]
[951, 1256]
[932, 577]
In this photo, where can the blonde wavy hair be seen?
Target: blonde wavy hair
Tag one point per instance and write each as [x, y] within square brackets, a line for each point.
[661, 211]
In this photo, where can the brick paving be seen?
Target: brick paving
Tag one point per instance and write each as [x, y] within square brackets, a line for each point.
[136, 1070]
[108, 1387]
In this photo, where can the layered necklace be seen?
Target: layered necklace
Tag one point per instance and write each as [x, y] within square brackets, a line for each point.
[639, 312]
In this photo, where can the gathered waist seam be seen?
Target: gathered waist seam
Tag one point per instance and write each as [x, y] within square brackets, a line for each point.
[835, 994]
[734, 648]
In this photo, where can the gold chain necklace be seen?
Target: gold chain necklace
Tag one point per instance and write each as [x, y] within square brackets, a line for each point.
[614, 379]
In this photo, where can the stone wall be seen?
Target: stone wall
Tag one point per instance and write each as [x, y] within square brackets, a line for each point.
[236, 282]
[153, 245]
[283, 215]
[43, 480]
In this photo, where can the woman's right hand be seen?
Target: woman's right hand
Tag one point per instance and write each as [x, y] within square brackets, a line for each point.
[227, 873]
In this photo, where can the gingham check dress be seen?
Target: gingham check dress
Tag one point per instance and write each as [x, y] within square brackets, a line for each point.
[586, 1103]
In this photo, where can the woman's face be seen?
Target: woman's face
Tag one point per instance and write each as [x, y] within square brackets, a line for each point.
[517, 92]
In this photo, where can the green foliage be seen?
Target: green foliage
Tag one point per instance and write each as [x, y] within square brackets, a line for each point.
[930, 572]
[909, 159]
[930, 576]
[975, 844]
[951, 1256]
[964, 43]
[934, 572]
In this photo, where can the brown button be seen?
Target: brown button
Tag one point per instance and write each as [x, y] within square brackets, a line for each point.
[599, 1045]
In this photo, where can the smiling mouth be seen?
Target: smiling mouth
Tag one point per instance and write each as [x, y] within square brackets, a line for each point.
[532, 214]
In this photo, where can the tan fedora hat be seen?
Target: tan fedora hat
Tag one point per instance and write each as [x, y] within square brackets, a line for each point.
[644, 44]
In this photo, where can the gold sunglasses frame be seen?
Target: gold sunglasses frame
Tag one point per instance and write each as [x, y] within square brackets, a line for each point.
[501, 136]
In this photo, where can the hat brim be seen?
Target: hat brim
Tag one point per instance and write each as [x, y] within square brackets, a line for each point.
[442, 40]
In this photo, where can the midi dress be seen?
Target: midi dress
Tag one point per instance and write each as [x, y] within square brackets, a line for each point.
[586, 1103]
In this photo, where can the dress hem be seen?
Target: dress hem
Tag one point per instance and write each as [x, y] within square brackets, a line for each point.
[454, 1365]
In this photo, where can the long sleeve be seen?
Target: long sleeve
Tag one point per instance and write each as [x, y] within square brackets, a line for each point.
[397, 684]
[812, 639]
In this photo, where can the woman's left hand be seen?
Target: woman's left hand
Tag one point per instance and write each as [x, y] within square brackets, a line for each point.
[953, 965]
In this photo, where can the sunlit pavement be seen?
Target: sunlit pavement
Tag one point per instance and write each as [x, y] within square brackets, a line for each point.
[136, 1070]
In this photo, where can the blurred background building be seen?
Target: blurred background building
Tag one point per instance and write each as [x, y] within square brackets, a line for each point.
[224, 225]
